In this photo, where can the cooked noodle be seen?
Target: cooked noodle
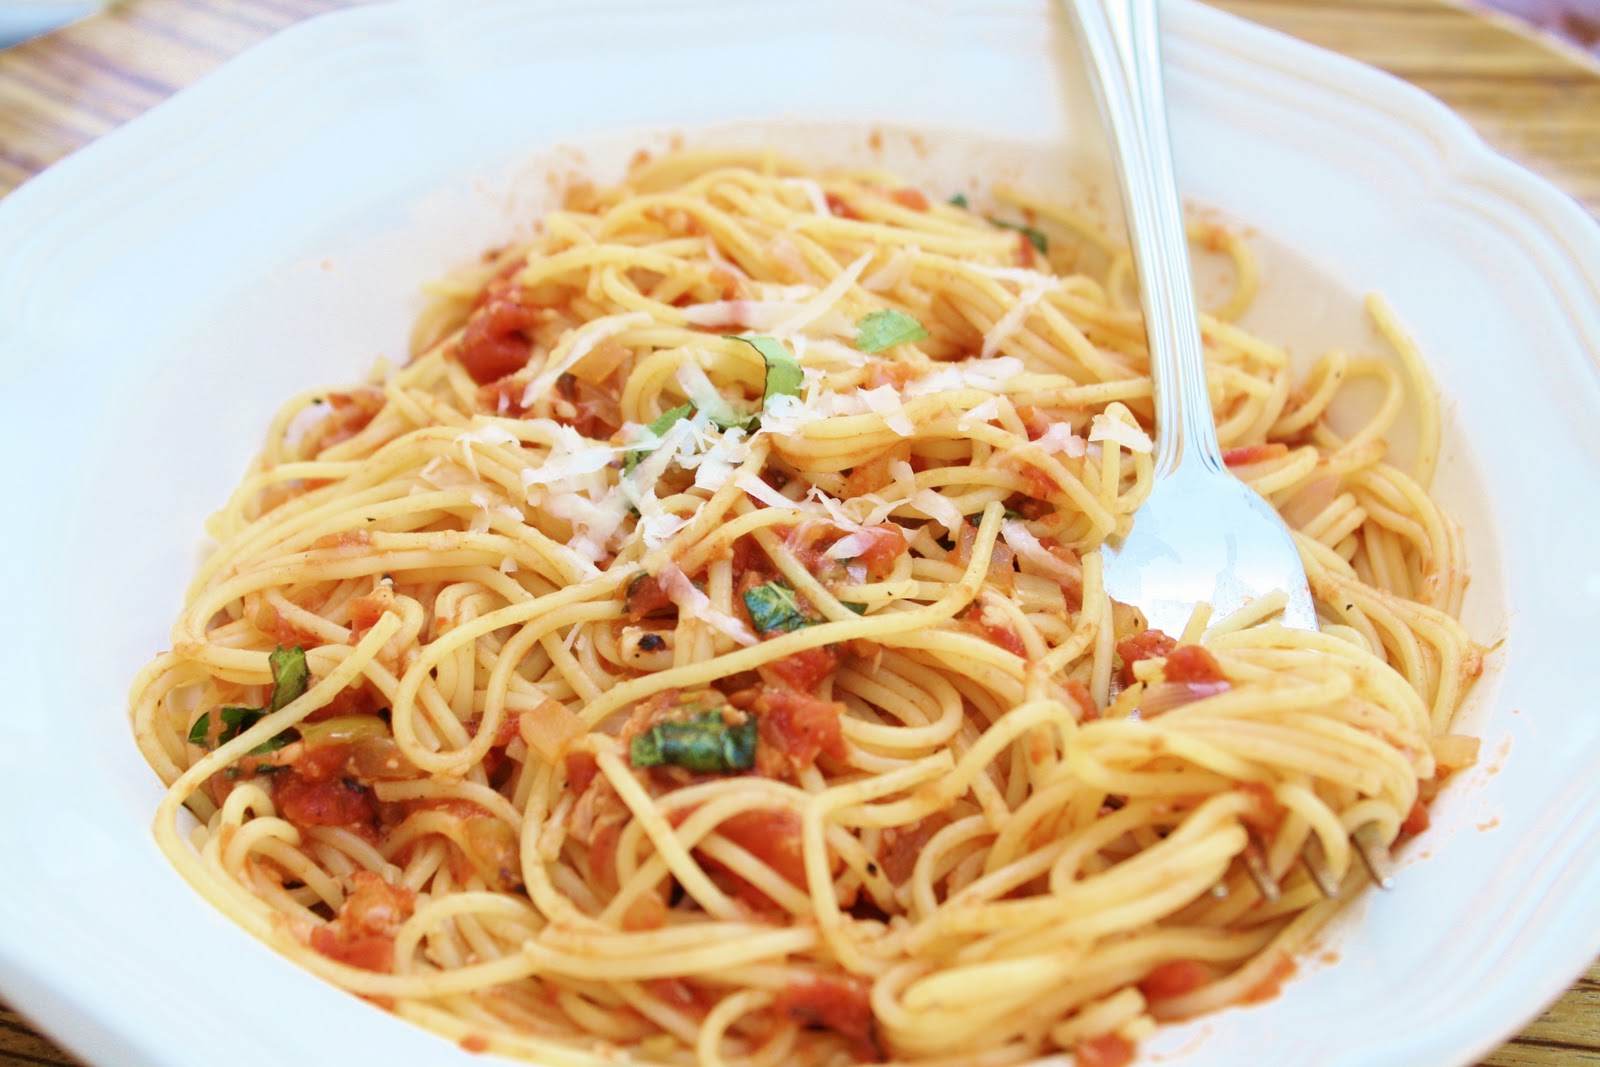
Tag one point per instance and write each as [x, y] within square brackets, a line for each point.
[648, 712]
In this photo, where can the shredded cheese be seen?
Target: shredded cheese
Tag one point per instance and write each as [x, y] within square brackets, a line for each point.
[1129, 436]
[693, 604]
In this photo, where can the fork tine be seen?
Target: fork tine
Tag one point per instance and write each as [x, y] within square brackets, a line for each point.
[1315, 861]
[1374, 854]
[1254, 857]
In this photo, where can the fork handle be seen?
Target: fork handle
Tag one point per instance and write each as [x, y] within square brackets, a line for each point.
[1122, 40]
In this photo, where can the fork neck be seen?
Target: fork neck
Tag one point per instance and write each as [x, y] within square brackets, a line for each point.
[1122, 38]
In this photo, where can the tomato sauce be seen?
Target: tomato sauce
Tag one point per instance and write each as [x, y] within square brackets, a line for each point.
[493, 344]
[838, 1004]
[1150, 644]
[1107, 1050]
[799, 727]
[362, 933]
[1173, 979]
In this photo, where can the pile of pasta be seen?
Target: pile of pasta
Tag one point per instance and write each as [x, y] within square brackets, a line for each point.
[697, 651]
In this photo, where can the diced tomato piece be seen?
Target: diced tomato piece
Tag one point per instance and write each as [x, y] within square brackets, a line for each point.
[887, 544]
[493, 345]
[352, 412]
[362, 934]
[319, 763]
[1267, 814]
[603, 852]
[282, 631]
[1027, 254]
[1237, 457]
[1039, 485]
[598, 414]
[1416, 819]
[966, 539]
[365, 611]
[581, 770]
[996, 633]
[837, 205]
[1151, 644]
[1035, 420]
[1192, 664]
[685, 996]
[646, 598]
[771, 836]
[907, 197]
[1079, 693]
[883, 372]
[902, 845]
[873, 475]
[325, 801]
[1272, 984]
[799, 726]
[842, 1005]
[1107, 1050]
[342, 539]
[802, 671]
[1173, 979]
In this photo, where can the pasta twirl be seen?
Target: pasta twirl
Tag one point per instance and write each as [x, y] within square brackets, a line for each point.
[698, 649]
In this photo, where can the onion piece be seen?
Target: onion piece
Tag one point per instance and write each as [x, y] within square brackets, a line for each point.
[549, 729]
[1454, 752]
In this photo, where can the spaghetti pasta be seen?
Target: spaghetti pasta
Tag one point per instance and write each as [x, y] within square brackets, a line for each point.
[698, 649]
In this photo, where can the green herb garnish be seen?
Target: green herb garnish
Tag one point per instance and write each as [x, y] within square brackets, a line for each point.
[784, 377]
[290, 676]
[879, 330]
[1040, 242]
[658, 426]
[705, 743]
[774, 606]
[959, 200]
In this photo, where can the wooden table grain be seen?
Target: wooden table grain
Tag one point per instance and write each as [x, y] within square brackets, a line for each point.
[1532, 97]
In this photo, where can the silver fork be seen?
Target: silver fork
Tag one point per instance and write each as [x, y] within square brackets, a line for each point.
[1202, 536]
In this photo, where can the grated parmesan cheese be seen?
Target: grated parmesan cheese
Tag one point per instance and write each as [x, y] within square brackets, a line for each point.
[1027, 547]
[1060, 438]
[886, 402]
[692, 603]
[992, 375]
[1012, 321]
[979, 415]
[1129, 436]
[938, 509]
[823, 302]
[487, 434]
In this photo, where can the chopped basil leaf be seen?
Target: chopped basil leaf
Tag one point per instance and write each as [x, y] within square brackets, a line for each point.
[705, 743]
[290, 675]
[201, 727]
[784, 377]
[879, 330]
[1040, 242]
[658, 426]
[959, 200]
[774, 606]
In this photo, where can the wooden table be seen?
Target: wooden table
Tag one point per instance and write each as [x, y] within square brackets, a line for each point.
[1531, 97]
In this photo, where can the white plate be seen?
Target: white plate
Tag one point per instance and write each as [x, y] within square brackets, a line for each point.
[164, 290]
